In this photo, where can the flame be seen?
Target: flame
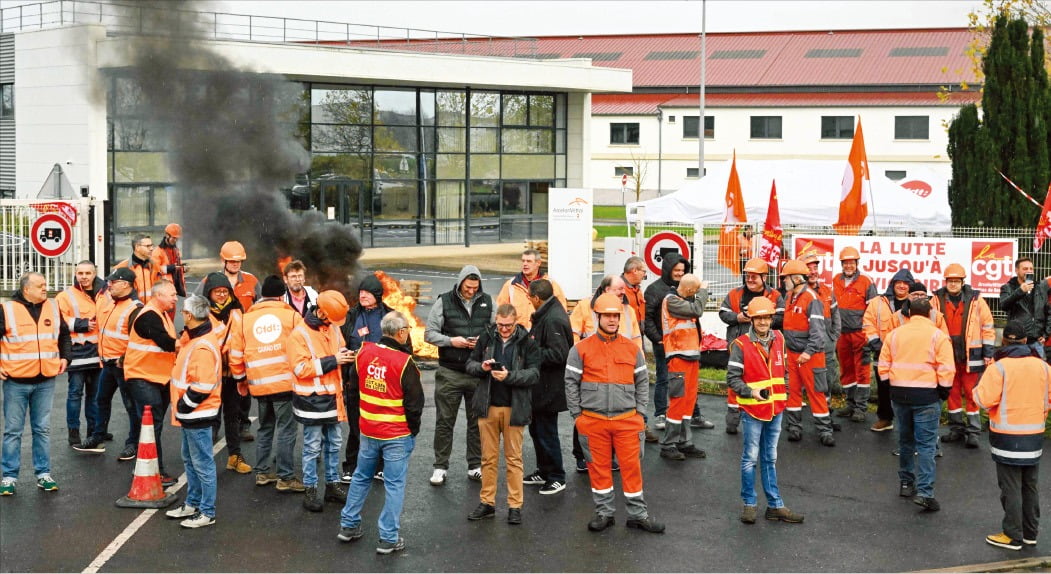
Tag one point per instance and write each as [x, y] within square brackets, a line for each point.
[281, 262]
[399, 301]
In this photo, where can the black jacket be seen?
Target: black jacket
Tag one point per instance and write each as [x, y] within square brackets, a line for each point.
[411, 387]
[523, 372]
[553, 336]
[1021, 306]
[655, 295]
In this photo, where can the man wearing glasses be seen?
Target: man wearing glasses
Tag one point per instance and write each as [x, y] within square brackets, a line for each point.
[141, 264]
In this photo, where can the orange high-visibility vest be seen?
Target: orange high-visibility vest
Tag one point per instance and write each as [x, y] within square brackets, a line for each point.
[114, 325]
[73, 304]
[245, 290]
[978, 332]
[763, 370]
[382, 412]
[259, 349]
[197, 369]
[318, 396]
[917, 355]
[144, 359]
[145, 277]
[29, 348]
[682, 337]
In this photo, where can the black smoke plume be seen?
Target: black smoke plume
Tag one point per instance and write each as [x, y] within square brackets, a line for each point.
[233, 144]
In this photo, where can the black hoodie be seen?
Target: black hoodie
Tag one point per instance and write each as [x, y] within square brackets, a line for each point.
[656, 293]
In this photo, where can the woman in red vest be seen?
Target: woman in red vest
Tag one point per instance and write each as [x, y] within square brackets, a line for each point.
[756, 372]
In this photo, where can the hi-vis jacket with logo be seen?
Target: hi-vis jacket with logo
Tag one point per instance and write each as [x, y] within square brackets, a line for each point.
[258, 350]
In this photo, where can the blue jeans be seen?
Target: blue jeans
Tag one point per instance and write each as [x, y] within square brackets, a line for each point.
[315, 439]
[81, 383]
[276, 415]
[395, 455]
[111, 379]
[36, 398]
[157, 398]
[917, 433]
[660, 388]
[199, 463]
[760, 443]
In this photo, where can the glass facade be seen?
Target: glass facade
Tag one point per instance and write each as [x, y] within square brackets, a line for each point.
[404, 166]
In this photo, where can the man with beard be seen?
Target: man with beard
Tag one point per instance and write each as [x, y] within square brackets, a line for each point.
[300, 296]
[853, 291]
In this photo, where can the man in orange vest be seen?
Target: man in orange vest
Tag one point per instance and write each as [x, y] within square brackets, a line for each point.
[680, 324]
[150, 358]
[170, 258]
[879, 320]
[316, 351]
[756, 373]
[917, 360]
[583, 319]
[970, 325]
[147, 271]
[391, 406]
[76, 303]
[34, 348]
[195, 397]
[259, 359]
[516, 290]
[833, 326]
[633, 276]
[606, 393]
[733, 313]
[114, 309]
[1016, 391]
[805, 336]
[853, 291]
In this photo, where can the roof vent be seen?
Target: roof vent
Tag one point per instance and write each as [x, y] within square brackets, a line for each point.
[834, 53]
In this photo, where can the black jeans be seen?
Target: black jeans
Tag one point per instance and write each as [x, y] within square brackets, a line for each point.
[544, 432]
[884, 411]
[156, 396]
[231, 412]
[1020, 498]
[111, 379]
[352, 399]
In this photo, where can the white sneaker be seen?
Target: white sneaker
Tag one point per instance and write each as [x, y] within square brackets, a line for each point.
[198, 520]
[475, 473]
[438, 478]
[183, 511]
[660, 422]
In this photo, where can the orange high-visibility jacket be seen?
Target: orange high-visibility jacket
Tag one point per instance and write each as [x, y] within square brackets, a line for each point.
[145, 277]
[74, 304]
[682, 330]
[881, 318]
[144, 359]
[584, 323]
[917, 355]
[30, 348]
[1017, 393]
[259, 349]
[516, 293]
[636, 299]
[196, 387]
[606, 377]
[114, 325]
[318, 395]
[978, 332]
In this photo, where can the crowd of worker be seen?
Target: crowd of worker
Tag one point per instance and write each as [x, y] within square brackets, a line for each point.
[314, 363]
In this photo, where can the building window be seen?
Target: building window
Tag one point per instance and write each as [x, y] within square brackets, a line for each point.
[689, 127]
[766, 127]
[624, 133]
[837, 127]
[7, 101]
[895, 174]
[911, 127]
[619, 171]
[671, 119]
[691, 172]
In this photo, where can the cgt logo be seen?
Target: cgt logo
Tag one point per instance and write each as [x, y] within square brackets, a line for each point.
[992, 263]
[920, 188]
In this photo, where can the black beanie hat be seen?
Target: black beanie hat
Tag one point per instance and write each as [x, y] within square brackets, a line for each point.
[273, 286]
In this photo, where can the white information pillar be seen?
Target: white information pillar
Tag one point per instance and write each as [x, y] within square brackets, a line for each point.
[569, 222]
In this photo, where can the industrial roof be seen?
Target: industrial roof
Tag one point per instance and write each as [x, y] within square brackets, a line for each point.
[647, 104]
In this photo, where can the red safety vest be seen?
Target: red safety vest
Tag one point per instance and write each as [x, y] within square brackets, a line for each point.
[380, 369]
[764, 370]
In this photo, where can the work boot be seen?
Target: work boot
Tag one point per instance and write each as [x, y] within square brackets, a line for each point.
[265, 478]
[311, 501]
[672, 454]
[882, 426]
[795, 435]
[748, 514]
[858, 417]
[598, 523]
[237, 463]
[335, 492]
[928, 504]
[731, 429]
[784, 515]
[845, 412]
[972, 441]
[1003, 541]
[289, 485]
[482, 511]
[648, 524]
[828, 440]
[691, 451]
[74, 437]
[953, 436]
[907, 490]
[651, 436]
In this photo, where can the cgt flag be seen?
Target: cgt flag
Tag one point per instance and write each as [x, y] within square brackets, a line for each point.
[730, 243]
[857, 188]
[771, 243]
[1043, 228]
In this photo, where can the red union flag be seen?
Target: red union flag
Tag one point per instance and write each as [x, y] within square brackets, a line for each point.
[771, 242]
[853, 203]
[730, 243]
[1043, 228]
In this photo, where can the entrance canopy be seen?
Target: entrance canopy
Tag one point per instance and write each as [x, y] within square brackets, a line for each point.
[808, 192]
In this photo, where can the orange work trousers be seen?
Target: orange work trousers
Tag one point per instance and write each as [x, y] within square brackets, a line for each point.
[682, 389]
[598, 438]
[802, 377]
[849, 349]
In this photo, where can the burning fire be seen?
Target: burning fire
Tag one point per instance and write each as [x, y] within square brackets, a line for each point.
[281, 262]
[398, 301]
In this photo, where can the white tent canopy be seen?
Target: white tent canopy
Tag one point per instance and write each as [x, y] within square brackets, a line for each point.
[808, 193]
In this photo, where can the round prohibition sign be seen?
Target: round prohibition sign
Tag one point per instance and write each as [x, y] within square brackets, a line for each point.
[51, 235]
[660, 245]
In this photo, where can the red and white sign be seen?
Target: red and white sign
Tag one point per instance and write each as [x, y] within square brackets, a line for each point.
[51, 234]
[624, 180]
[660, 245]
[990, 262]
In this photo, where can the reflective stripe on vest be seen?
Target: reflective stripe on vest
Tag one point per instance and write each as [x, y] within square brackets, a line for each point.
[762, 369]
[209, 407]
[681, 338]
[144, 359]
[26, 350]
[117, 334]
[318, 387]
[381, 409]
[79, 338]
[1003, 424]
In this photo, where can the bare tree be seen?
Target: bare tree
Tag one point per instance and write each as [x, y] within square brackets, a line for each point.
[640, 165]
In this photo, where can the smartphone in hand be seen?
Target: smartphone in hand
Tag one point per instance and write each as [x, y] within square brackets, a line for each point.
[496, 366]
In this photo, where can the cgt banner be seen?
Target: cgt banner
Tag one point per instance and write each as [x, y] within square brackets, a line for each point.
[569, 240]
[990, 262]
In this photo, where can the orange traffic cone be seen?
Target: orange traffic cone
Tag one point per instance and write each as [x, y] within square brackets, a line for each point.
[146, 488]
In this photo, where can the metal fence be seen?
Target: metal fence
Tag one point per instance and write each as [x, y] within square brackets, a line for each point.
[158, 19]
[17, 255]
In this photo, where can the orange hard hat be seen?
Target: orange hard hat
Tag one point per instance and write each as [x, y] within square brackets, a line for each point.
[849, 253]
[794, 267]
[955, 271]
[761, 307]
[607, 303]
[334, 304]
[756, 265]
[174, 229]
[232, 251]
[809, 257]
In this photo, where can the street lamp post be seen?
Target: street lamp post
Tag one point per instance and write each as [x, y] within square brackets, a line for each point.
[660, 143]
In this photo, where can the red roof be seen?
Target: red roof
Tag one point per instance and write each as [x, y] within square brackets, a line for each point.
[646, 104]
[870, 58]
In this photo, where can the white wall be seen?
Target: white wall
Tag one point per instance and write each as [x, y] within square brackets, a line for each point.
[60, 113]
[801, 139]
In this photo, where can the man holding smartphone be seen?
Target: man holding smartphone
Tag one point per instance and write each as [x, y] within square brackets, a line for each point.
[1018, 300]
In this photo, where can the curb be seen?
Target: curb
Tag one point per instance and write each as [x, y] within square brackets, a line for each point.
[1004, 566]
